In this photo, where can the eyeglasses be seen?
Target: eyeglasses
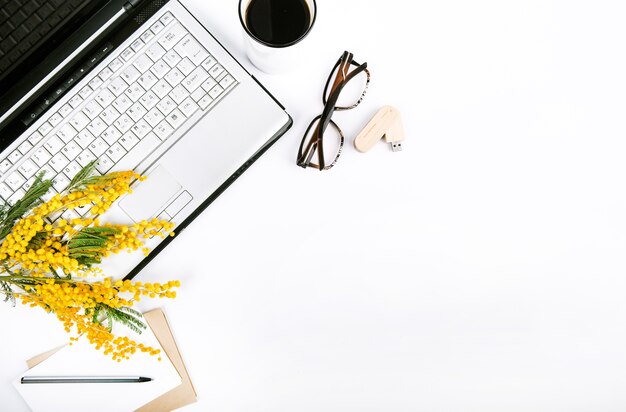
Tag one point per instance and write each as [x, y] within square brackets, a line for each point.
[313, 139]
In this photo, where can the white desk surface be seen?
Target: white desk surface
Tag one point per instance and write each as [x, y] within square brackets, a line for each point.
[480, 269]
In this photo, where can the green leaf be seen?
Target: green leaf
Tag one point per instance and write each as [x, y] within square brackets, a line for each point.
[31, 198]
[8, 292]
[79, 181]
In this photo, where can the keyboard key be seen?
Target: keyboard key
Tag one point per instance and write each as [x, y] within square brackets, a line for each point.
[208, 63]
[161, 88]
[27, 185]
[84, 138]
[136, 111]
[155, 52]
[98, 146]
[65, 110]
[129, 140]
[216, 71]
[208, 84]
[85, 157]
[185, 66]
[92, 109]
[45, 128]
[109, 115]
[154, 117]
[122, 103]
[117, 86]
[205, 102]
[123, 123]
[5, 165]
[149, 100]
[127, 54]
[16, 196]
[189, 47]
[198, 94]
[147, 80]
[41, 156]
[35, 137]
[172, 35]
[163, 130]
[79, 121]
[227, 81]
[48, 172]
[216, 91]
[115, 65]
[110, 135]
[167, 18]
[58, 162]
[70, 214]
[72, 149]
[142, 63]
[60, 182]
[141, 128]
[172, 58]
[105, 73]
[147, 36]
[105, 97]
[188, 107]
[15, 156]
[55, 119]
[176, 118]
[166, 105]
[116, 152]
[75, 101]
[130, 74]
[137, 45]
[134, 92]
[97, 126]
[174, 77]
[157, 27]
[28, 168]
[95, 82]
[85, 92]
[104, 164]
[5, 192]
[25, 147]
[179, 93]
[160, 68]
[66, 133]
[53, 145]
[72, 169]
[15, 180]
[195, 79]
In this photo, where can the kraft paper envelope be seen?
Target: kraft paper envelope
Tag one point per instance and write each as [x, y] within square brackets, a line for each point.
[181, 395]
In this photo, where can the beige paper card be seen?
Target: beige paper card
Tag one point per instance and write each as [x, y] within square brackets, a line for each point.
[183, 394]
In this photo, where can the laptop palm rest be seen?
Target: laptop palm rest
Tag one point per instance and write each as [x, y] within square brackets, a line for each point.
[150, 196]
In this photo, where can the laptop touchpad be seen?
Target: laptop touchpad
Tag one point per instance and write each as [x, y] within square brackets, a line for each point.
[150, 196]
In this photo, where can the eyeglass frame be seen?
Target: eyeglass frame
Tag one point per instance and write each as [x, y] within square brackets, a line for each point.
[315, 142]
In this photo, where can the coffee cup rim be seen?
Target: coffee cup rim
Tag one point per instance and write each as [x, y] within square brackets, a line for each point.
[281, 46]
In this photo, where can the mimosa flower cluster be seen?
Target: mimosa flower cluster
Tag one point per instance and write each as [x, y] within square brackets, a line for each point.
[46, 261]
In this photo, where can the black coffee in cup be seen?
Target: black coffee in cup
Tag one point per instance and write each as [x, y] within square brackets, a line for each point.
[278, 23]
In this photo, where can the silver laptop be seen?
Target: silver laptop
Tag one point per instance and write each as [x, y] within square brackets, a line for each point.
[137, 85]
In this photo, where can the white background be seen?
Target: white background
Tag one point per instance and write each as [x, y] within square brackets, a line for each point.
[480, 269]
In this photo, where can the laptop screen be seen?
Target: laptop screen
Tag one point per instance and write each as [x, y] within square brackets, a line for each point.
[30, 30]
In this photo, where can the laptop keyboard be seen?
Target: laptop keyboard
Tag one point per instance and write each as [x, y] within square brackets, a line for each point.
[127, 110]
[24, 23]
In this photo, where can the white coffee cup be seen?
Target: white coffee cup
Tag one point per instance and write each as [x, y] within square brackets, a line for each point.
[276, 58]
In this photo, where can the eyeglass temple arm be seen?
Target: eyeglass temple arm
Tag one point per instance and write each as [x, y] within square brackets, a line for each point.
[329, 108]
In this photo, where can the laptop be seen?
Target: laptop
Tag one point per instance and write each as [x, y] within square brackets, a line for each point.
[137, 84]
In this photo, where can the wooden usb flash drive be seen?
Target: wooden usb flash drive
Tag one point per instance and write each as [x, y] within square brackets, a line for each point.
[385, 123]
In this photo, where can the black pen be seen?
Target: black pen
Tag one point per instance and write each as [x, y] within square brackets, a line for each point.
[85, 379]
